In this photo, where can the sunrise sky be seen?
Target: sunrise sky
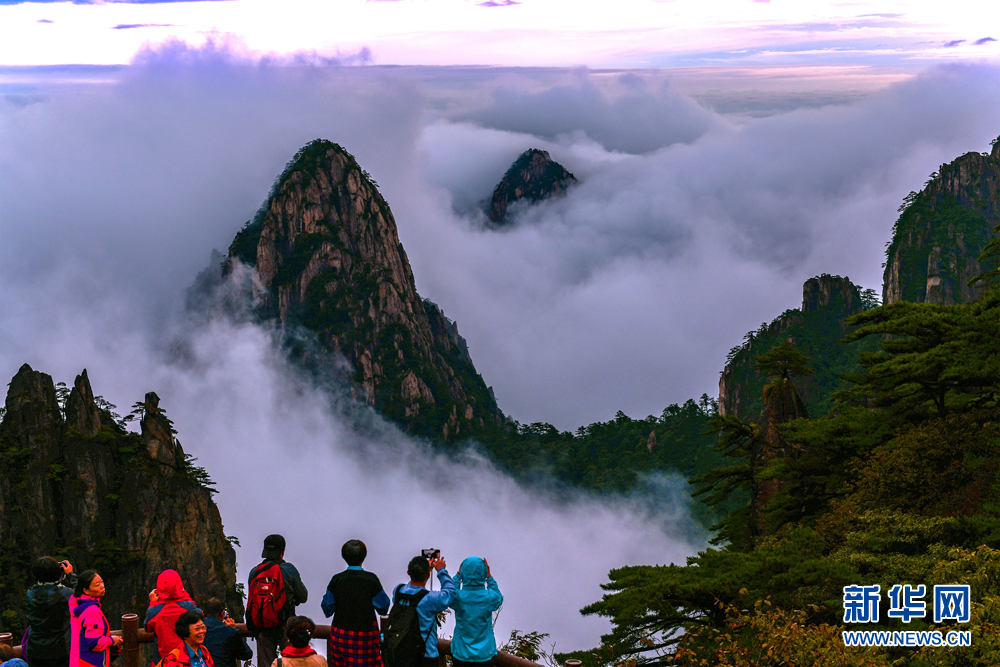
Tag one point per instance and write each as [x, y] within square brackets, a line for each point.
[624, 33]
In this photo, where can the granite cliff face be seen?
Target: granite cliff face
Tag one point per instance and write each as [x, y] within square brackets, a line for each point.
[327, 261]
[941, 232]
[77, 485]
[816, 330]
[533, 177]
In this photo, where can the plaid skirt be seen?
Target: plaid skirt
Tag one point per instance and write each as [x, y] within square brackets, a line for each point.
[354, 648]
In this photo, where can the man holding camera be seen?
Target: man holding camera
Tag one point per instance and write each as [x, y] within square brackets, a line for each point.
[431, 603]
[222, 640]
[48, 612]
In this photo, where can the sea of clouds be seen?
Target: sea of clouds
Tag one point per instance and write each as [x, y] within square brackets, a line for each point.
[688, 229]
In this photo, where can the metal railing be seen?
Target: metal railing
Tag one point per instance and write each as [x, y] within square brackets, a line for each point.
[132, 635]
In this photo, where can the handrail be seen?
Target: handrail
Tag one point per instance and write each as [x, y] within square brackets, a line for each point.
[132, 635]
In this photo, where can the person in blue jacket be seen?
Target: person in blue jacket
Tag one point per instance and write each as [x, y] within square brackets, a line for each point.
[476, 597]
[432, 604]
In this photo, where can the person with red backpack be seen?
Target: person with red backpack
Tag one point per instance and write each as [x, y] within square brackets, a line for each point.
[167, 602]
[275, 590]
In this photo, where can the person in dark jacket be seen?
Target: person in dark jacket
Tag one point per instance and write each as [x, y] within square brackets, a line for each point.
[222, 639]
[48, 613]
[269, 641]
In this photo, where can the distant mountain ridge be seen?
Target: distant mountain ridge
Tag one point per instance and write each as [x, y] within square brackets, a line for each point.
[328, 260]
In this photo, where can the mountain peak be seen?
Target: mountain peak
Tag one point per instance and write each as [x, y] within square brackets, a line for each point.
[534, 176]
[328, 261]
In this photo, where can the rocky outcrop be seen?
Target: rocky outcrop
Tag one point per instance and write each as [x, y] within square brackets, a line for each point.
[830, 292]
[82, 487]
[942, 230]
[533, 177]
[816, 329]
[328, 262]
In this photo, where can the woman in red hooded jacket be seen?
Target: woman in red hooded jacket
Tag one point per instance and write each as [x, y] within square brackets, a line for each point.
[166, 604]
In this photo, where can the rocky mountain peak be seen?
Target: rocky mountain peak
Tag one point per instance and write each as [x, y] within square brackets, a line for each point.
[826, 291]
[942, 230]
[82, 412]
[84, 488]
[328, 261]
[533, 177]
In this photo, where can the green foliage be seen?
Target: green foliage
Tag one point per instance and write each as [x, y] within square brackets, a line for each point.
[244, 245]
[870, 299]
[62, 395]
[935, 359]
[900, 483]
[527, 645]
[783, 361]
[989, 260]
[762, 636]
[742, 442]
[186, 469]
[819, 336]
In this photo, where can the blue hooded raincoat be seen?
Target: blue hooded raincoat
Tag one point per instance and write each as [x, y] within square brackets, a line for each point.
[477, 597]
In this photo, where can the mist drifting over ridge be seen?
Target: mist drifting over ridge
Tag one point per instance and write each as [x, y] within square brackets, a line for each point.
[626, 294]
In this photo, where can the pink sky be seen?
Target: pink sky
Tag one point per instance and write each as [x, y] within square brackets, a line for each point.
[625, 33]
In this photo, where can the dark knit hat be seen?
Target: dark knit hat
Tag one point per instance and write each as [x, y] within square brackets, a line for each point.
[274, 546]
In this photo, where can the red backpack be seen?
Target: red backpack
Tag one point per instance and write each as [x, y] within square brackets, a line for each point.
[266, 599]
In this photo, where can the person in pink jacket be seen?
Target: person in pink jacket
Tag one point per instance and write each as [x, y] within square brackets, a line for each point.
[90, 641]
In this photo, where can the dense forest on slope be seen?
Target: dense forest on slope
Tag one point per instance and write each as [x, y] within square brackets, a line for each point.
[898, 484]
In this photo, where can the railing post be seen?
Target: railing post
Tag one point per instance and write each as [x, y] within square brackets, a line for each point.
[130, 640]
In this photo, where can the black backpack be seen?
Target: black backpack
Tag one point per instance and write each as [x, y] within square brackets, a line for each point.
[402, 642]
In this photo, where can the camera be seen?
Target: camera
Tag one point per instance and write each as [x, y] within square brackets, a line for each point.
[430, 554]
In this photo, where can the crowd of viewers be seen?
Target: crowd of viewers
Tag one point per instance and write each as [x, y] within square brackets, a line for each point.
[67, 628]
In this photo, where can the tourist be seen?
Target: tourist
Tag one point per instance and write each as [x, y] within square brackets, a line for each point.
[298, 653]
[48, 639]
[431, 604]
[166, 604]
[476, 597]
[191, 652]
[354, 598]
[222, 639]
[271, 636]
[91, 642]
